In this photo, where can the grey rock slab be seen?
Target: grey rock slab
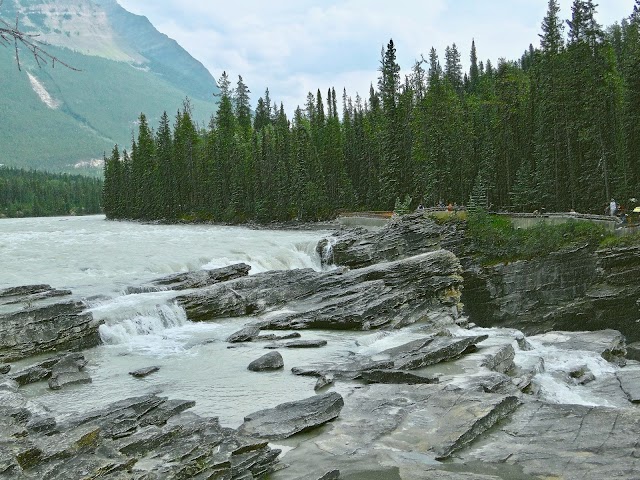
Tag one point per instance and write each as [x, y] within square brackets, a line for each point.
[194, 279]
[290, 418]
[323, 381]
[298, 344]
[389, 294]
[398, 431]
[396, 376]
[270, 361]
[630, 383]
[422, 353]
[273, 337]
[144, 372]
[572, 442]
[244, 335]
[49, 328]
[65, 379]
[402, 237]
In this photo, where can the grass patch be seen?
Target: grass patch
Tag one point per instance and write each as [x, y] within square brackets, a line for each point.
[494, 239]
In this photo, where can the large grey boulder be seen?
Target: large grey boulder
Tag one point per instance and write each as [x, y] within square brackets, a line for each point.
[69, 370]
[402, 237]
[46, 329]
[390, 294]
[194, 279]
[290, 418]
[245, 334]
[270, 361]
[29, 294]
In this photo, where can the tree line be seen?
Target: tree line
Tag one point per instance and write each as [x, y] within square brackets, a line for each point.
[557, 129]
[28, 193]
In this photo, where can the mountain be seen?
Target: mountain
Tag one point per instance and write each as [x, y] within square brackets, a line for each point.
[58, 119]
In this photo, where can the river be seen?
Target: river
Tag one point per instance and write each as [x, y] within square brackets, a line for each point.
[98, 259]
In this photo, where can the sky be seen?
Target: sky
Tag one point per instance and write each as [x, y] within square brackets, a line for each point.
[294, 47]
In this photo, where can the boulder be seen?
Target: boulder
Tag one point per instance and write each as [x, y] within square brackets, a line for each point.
[144, 372]
[45, 329]
[390, 294]
[4, 369]
[270, 361]
[28, 294]
[402, 237]
[299, 344]
[195, 279]
[290, 418]
[323, 381]
[244, 335]
[69, 370]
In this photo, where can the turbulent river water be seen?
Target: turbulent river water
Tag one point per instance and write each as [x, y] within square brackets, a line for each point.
[98, 259]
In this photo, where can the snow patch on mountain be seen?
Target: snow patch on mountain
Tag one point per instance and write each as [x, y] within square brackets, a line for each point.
[46, 98]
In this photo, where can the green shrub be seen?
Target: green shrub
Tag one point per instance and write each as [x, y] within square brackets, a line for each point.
[494, 238]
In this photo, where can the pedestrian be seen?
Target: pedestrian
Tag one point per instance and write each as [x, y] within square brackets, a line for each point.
[613, 208]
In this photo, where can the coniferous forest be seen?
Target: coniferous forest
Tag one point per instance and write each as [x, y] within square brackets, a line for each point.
[557, 129]
[27, 193]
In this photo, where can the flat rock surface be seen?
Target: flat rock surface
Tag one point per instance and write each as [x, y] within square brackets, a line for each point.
[400, 425]
[629, 379]
[290, 418]
[298, 344]
[564, 441]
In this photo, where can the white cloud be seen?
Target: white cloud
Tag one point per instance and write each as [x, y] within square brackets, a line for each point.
[296, 47]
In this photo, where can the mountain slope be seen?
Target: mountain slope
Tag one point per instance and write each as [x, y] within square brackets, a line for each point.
[55, 118]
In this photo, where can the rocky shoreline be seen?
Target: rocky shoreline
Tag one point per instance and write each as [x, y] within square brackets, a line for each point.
[454, 402]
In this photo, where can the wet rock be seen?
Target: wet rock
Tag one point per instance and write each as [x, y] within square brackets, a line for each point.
[144, 372]
[245, 335]
[41, 423]
[45, 329]
[501, 359]
[323, 381]
[630, 383]
[195, 279]
[386, 430]
[402, 237]
[391, 294]
[31, 375]
[270, 361]
[69, 370]
[170, 444]
[429, 351]
[563, 441]
[299, 344]
[581, 375]
[4, 369]
[332, 475]
[610, 344]
[633, 351]
[273, 337]
[396, 376]
[28, 294]
[522, 342]
[290, 418]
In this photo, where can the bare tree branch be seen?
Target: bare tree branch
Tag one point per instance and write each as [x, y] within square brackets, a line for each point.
[12, 34]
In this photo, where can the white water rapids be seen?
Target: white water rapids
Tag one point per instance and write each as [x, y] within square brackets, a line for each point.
[97, 260]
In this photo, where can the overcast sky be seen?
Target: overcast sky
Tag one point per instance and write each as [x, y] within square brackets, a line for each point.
[296, 46]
